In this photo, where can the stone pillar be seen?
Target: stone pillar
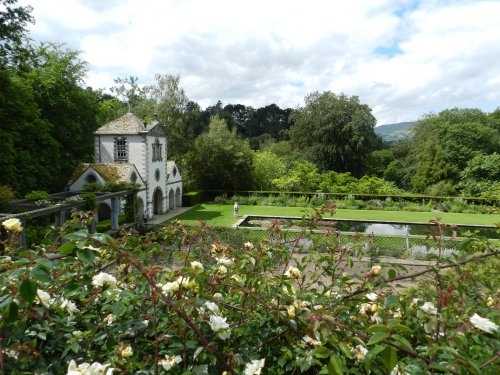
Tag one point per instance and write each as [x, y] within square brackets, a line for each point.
[94, 221]
[22, 235]
[60, 218]
[115, 212]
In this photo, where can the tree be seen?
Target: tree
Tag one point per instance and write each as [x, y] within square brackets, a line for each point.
[56, 77]
[30, 156]
[334, 131]
[13, 20]
[481, 175]
[266, 168]
[219, 159]
[444, 143]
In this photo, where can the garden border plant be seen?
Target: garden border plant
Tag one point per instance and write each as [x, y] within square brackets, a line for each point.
[184, 301]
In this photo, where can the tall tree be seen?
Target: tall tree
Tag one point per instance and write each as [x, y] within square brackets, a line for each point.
[56, 77]
[220, 159]
[30, 157]
[443, 144]
[13, 34]
[335, 131]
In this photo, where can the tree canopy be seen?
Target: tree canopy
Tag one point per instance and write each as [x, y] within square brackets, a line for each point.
[335, 132]
[220, 159]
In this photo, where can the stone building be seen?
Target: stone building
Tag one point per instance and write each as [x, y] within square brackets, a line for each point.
[130, 150]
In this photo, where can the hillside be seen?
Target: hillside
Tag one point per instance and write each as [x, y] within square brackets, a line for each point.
[394, 132]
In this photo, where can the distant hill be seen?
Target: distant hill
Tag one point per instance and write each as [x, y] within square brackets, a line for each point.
[394, 132]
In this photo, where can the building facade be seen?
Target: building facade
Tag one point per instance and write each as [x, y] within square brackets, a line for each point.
[130, 150]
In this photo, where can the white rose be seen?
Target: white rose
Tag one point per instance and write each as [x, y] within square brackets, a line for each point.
[254, 367]
[126, 351]
[44, 298]
[170, 361]
[218, 323]
[12, 225]
[483, 324]
[428, 308]
[102, 279]
[197, 265]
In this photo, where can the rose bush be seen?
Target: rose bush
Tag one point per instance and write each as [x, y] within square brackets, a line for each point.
[181, 300]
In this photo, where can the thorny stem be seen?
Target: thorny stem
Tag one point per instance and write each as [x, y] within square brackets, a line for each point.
[181, 314]
[367, 337]
[153, 301]
[416, 274]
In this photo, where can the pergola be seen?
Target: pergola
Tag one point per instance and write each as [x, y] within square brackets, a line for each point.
[26, 209]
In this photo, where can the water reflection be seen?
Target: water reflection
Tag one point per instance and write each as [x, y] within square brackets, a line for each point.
[385, 228]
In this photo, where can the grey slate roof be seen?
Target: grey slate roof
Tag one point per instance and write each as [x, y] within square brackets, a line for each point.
[128, 124]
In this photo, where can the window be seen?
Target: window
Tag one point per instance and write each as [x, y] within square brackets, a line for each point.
[90, 179]
[133, 177]
[120, 149]
[175, 171]
[157, 174]
[157, 150]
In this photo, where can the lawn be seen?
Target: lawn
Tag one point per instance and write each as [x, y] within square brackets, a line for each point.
[222, 215]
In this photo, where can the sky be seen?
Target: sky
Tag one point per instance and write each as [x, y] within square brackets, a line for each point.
[403, 58]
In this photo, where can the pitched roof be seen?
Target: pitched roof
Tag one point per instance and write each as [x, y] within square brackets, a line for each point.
[110, 172]
[127, 124]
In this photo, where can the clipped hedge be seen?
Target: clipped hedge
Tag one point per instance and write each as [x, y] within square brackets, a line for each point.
[417, 198]
[192, 198]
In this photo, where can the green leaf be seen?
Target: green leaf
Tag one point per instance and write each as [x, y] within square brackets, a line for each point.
[335, 366]
[12, 312]
[86, 256]
[377, 328]
[392, 273]
[345, 349]
[67, 248]
[118, 308]
[20, 262]
[402, 341]
[391, 300]
[401, 328]
[77, 236]
[390, 357]
[322, 352]
[377, 337]
[45, 263]
[41, 274]
[103, 238]
[27, 290]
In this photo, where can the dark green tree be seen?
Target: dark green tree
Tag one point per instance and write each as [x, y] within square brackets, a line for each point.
[220, 159]
[443, 144]
[56, 77]
[30, 157]
[13, 34]
[334, 131]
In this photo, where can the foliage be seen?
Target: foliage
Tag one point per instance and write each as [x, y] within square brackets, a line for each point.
[111, 186]
[90, 200]
[13, 21]
[335, 131]
[220, 159]
[191, 198]
[6, 194]
[481, 176]
[186, 300]
[36, 195]
[443, 144]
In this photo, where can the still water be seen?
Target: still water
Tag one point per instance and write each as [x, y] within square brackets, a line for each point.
[400, 229]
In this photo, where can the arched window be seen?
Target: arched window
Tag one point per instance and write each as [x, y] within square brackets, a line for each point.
[133, 177]
[157, 150]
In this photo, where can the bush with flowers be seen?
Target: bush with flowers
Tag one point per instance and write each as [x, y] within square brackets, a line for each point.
[180, 300]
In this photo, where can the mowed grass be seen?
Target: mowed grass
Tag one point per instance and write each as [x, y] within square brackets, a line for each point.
[222, 215]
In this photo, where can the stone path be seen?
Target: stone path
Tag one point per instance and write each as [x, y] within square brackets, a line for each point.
[158, 219]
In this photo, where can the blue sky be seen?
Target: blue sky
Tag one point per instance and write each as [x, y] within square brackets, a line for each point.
[404, 58]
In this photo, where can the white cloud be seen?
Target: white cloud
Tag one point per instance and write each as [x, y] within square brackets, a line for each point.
[404, 58]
